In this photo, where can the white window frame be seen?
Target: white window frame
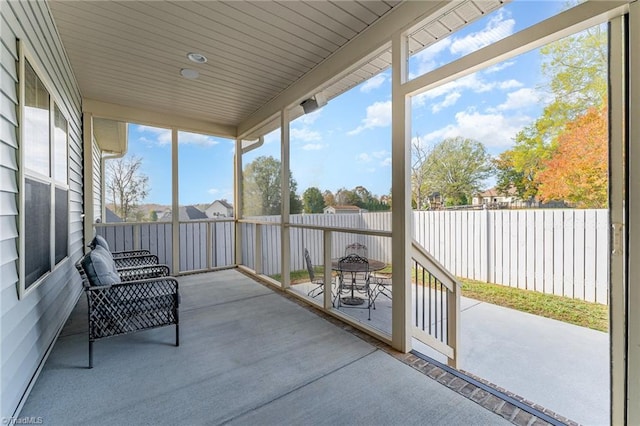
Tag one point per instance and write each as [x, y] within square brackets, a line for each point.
[24, 56]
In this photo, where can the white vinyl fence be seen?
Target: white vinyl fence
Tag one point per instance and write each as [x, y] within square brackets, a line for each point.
[554, 251]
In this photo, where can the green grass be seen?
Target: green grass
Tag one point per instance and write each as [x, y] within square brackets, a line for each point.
[572, 311]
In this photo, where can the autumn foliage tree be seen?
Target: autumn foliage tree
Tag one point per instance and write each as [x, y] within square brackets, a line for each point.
[577, 171]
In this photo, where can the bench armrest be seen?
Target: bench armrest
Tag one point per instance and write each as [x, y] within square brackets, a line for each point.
[139, 260]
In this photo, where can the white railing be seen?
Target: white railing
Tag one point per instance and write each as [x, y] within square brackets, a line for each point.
[204, 244]
[436, 304]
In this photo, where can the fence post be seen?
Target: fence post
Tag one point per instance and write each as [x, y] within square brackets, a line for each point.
[257, 260]
[136, 236]
[328, 291]
[488, 244]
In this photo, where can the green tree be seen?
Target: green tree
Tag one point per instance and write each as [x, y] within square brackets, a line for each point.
[347, 197]
[126, 185]
[457, 168]
[312, 200]
[153, 216]
[575, 69]
[329, 198]
[262, 188]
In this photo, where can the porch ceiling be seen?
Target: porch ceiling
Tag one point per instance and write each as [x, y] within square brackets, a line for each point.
[130, 53]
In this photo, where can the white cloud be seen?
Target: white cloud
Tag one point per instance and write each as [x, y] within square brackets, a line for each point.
[364, 157]
[196, 139]
[386, 162]
[373, 83]
[493, 129]
[448, 101]
[163, 137]
[310, 118]
[519, 99]
[313, 146]
[496, 29]
[499, 67]
[378, 115]
[214, 191]
[509, 84]
[304, 134]
[426, 58]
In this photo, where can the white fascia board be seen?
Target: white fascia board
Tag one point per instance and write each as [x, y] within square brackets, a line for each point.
[157, 119]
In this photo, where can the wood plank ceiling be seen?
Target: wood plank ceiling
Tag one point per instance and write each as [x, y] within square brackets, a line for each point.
[131, 52]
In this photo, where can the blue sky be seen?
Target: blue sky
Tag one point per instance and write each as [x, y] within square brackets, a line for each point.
[348, 142]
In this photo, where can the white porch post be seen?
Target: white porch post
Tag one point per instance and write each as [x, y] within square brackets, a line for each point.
[633, 193]
[237, 202]
[87, 136]
[401, 193]
[286, 205]
[175, 203]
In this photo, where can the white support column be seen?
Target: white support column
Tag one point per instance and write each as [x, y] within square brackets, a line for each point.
[237, 201]
[284, 226]
[617, 178]
[175, 203]
[401, 192]
[633, 193]
[257, 259]
[87, 140]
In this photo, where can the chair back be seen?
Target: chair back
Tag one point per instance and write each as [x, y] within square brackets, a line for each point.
[307, 259]
[354, 263]
[357, 248]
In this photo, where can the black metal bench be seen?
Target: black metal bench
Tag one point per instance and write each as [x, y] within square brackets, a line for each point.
[146, 297]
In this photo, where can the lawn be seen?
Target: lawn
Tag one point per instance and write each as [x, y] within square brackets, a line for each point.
[572, 311]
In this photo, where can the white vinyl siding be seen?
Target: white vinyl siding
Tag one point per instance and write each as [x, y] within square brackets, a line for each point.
[28, 327]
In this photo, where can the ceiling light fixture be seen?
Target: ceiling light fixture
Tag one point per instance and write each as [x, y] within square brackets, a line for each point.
[189, 73]
[198, 58]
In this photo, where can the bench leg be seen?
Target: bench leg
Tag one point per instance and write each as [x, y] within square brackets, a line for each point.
[90, 354]
[177, 335]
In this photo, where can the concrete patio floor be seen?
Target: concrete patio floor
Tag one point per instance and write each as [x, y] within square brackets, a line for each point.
[559, 366]
[247, 356]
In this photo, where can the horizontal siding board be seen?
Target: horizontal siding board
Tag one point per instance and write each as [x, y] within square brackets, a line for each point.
[30, 325]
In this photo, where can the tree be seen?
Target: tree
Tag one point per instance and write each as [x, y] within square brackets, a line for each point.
[153, 216]
[126, 185]
[419, 153]
[313, 201]
[329, 198]
[457, 168]
[576, 71]
[577, 172]
[262, 188]
[346, 197]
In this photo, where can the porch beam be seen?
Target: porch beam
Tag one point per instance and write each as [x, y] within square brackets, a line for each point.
[128, 114]
[345, 60]
[237, 201]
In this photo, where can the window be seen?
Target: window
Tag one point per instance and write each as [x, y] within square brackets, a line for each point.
[44, 228]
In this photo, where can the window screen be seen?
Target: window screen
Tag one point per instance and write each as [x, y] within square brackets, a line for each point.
[37, 223]
[62, 224]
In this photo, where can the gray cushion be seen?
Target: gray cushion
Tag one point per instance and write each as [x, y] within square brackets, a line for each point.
[99, 241]
[100, 267]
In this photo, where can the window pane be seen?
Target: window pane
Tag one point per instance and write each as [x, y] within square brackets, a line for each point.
[60, 147]
[36, 123]
[37, 225]
[62, 224]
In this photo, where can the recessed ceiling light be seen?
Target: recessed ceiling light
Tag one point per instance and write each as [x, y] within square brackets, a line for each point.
[189, 73]
[198, 58]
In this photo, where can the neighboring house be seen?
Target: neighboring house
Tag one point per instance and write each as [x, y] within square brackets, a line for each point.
[219, 208]
[110, 216]
[343, 209]
[186, 213]
[492, 198]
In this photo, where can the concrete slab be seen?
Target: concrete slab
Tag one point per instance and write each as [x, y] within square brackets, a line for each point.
[372, 390]
[242, 348]
[560, 366]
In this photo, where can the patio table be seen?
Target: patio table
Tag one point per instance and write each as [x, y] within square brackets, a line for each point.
[354, 268]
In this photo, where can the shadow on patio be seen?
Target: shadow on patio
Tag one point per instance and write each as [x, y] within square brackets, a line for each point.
[247, 356]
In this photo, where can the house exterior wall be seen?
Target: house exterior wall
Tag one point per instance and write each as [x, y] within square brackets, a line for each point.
[218, 209]
[28, 327]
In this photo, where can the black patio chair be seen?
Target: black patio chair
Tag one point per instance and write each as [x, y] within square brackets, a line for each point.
[125, 259]
[318, 283]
